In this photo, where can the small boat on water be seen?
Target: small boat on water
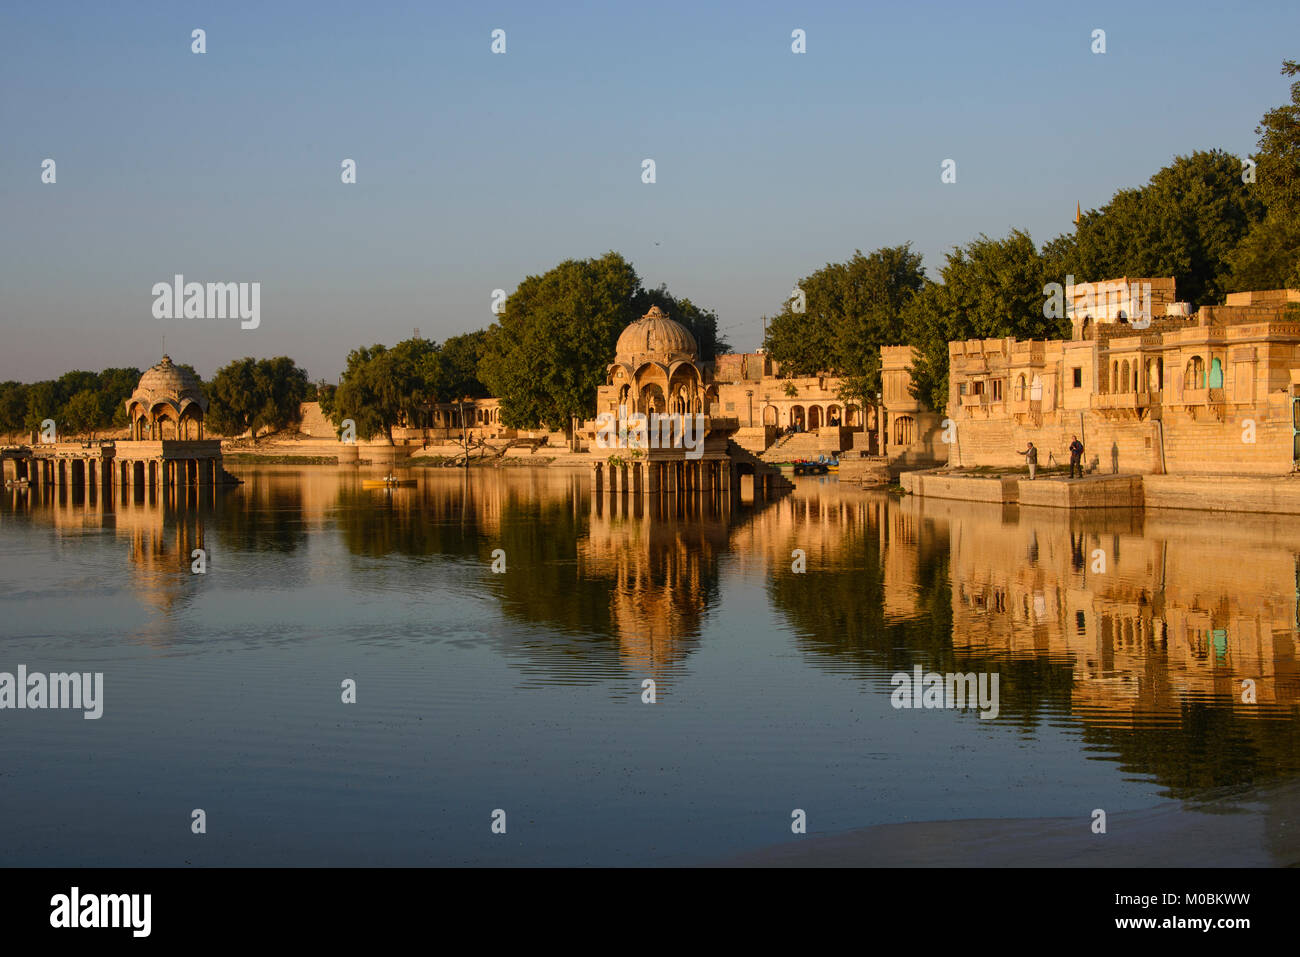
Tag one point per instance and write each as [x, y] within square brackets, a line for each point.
[818, 466]
[388, 481]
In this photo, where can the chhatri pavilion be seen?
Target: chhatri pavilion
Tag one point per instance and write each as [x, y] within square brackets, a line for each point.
[687, 447]
[166, 448]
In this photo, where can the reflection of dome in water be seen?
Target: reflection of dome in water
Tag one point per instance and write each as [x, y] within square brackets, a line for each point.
[655, 334]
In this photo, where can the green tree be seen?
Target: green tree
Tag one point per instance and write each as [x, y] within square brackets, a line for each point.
[1278, 159]
[991, 288]
[851, 309]
[459, 358]
[114, 387]
[42, 403]
[83, 414]
[365, 396]
[13, 408]
[1186, 223]
[1269, 255]
[250, 395]
[232, 397]
[548, 353]
[281, 388]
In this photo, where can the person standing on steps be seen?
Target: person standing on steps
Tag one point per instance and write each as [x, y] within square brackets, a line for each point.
[1076, 457]
[1031, 459]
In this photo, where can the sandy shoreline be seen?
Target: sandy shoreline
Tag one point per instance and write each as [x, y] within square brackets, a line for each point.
[1258, 829]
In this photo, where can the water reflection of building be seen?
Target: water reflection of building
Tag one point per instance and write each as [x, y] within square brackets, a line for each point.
[158, 530]
[661, 558]
[1150, 610]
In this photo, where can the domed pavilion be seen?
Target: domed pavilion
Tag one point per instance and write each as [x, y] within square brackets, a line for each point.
[657, 427]
[655, 369]
[168, 403]
[166, 449]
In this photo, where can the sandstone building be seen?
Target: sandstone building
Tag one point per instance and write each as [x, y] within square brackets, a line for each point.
[1158, 392]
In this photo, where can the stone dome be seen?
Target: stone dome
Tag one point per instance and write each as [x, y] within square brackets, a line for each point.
[655, 334]
[166, 380]
[167, 390]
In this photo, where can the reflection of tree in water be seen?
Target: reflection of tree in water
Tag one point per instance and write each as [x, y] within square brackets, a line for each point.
[1211, 746]
[263, 517]
[434, 520]
[599, 591]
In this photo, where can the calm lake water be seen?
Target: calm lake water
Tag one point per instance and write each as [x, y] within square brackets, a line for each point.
[1121, 641]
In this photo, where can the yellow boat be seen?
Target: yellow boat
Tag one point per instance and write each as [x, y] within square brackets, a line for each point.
[388, 481]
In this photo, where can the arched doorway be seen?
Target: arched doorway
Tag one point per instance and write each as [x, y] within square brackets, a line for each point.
[814, 417]
[769, 415]
[796, 416]
[652, 399]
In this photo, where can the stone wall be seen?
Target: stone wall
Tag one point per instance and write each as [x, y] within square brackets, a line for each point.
[997, 442]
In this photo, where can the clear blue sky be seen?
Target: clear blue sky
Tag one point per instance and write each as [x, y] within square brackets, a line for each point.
[476, 169]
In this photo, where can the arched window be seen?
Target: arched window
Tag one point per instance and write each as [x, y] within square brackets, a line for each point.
[1194, 377]
[1216, 374]
[1020, 388]
[1036, 389]
[1126, 382]
[904, 426]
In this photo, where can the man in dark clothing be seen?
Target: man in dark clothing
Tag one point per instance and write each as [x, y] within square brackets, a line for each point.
[1076, 457]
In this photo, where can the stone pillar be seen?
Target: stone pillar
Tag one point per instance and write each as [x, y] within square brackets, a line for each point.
[597, 477]
[652, 477]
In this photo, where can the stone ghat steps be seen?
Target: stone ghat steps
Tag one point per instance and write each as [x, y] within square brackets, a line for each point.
[801, 445]
[741, 455]
[314, 422]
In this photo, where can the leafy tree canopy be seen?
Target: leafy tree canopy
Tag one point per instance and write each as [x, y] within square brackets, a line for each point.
[849, 310]
[548, 353]
[1186, 223]
[252, 395]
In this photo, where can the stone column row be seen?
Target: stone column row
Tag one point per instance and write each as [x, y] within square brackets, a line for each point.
[684, 476]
